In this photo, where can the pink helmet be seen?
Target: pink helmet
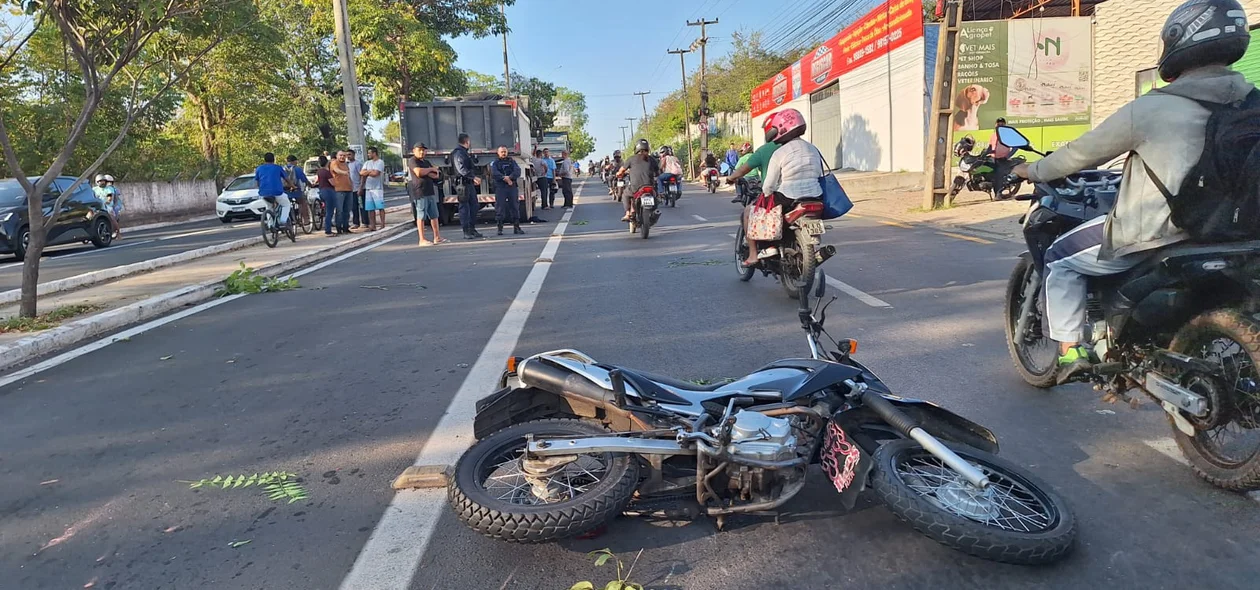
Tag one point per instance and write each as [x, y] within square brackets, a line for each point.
[784, 126]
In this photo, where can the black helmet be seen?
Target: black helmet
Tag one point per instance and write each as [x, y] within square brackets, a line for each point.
[1200, 33]
[642, 146]
[616, 153]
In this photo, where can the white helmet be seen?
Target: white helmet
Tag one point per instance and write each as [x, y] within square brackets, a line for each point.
[109, 178]
[100, 177]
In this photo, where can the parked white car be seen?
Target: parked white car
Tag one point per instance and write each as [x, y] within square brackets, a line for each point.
[239, 200]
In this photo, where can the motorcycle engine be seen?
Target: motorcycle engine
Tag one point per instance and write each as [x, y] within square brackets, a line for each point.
[758, 436]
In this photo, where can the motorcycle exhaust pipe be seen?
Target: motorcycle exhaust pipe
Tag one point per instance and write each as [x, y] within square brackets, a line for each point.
[824, 253]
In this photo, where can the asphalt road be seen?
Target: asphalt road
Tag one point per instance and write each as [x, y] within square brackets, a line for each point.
[343, 381]
[74, 259]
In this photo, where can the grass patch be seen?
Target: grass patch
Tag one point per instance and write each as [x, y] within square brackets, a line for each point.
[247, 281]
[685, 262]
[45, 321]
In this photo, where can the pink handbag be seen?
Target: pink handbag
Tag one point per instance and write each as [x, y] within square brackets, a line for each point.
[765, 221]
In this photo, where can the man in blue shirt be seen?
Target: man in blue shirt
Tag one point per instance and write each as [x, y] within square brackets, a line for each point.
[295, 185]
[549, 200]
[270, 177]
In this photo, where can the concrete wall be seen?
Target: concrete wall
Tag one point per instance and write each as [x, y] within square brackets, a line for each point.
[875, 136]
[1126, 40]
[158, 200]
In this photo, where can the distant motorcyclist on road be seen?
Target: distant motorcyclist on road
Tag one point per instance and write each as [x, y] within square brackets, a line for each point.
[613, 167]
[639, 170]
[1164, 133]
[671, 168]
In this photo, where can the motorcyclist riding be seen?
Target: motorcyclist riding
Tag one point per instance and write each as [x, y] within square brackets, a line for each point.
[793, 171]
[671, 168]
[640, 170]
[613, 167]
[1164, 133]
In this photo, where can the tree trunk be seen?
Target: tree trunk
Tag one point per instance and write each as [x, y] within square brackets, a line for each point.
[34, 252]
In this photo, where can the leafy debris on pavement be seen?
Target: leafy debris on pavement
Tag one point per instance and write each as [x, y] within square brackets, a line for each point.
[582, 222]
[167, 357]
[277, 485]
[681, 262]
[622, 582]
[247, 281]
[235, 544]
[46, 321]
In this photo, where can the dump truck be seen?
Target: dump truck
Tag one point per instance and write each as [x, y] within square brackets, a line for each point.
[490, 121]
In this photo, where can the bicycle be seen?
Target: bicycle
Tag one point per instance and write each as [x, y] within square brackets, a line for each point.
[317, 211]
[271, 226]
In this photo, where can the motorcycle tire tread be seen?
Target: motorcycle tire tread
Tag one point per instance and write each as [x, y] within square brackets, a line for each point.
[543, 526]
[1015, 288]
[1246, 332]
[963, 535]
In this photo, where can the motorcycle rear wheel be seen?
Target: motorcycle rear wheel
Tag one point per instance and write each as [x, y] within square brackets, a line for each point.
[741, 254]
[1018, 519]
[800, 272]
[489, 493]
[1035, 367]
[1230, 339]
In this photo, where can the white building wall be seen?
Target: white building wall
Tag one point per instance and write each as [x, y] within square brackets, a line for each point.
[882, 106]
[801, 104]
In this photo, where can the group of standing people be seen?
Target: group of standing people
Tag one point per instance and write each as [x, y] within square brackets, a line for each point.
[351, 191]
[551, 175]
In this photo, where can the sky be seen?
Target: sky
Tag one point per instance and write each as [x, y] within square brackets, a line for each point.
[609, 50]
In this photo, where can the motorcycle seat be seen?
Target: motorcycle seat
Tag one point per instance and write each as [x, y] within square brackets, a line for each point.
[1157, 270]
[657, 387]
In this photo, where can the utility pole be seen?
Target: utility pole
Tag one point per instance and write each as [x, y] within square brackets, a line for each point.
[940, 132]
[507, 72]
[623, 136]
[704, 87]
[349, 83]
[643, 101]
[682, 61]
[632, 127]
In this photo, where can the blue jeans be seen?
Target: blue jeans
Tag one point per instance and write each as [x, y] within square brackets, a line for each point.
[468, 209]
[345, 200]
[332, 204]
[662, 179]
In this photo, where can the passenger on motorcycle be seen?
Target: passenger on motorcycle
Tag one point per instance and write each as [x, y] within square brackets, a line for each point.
[710, 166]
[671, 168]
[752, 164]
[1163, 132]
[640, 170]
[999, 151]
[613, 167]
[793, 170]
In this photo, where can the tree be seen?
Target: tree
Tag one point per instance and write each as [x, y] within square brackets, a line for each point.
[107, 42]
[393, 132]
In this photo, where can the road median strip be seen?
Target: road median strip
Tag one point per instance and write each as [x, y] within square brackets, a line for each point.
[71, 333]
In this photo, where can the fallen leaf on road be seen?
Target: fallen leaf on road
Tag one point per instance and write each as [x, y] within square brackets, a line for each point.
[49, 482]
[231, 361]
[583, 222]
[462, 365]
[172, 529]
[1104, 412]
[377, 287]
[235, 544]
[167, 357]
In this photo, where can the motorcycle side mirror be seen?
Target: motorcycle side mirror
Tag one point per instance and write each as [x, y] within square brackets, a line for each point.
[1012, 138]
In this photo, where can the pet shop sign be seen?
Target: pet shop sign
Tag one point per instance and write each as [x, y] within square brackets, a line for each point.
[889, 26]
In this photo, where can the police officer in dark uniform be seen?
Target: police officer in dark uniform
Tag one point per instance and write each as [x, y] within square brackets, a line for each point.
[507, 175]
[466, 176]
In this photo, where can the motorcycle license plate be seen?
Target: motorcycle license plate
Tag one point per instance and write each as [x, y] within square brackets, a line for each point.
[649, 201]
[813, 227]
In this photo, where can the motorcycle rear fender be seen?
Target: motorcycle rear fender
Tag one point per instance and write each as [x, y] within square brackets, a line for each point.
[514, 405]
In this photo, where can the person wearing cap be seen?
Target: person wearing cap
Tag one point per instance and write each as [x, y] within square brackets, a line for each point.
[422, 179]
[295, 184]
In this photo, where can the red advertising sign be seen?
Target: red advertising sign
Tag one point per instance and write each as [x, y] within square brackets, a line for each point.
[887, 27]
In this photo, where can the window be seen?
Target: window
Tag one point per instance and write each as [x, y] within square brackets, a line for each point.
[243, 183]
[11, 193]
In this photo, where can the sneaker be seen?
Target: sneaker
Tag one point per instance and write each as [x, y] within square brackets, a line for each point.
[625, 217]
[1074, 365]
[768, 253]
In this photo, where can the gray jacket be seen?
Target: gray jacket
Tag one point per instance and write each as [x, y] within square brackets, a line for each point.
[1166, 131]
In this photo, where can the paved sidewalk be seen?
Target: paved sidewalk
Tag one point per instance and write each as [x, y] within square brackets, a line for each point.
[116, 294]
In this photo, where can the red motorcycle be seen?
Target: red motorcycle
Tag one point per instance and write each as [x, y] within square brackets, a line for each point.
[794, 256]
[711, 179]
[643, 211]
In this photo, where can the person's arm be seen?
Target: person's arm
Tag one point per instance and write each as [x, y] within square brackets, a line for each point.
[463, 165]
[774, 174]
[1114, 137]
[497, 174]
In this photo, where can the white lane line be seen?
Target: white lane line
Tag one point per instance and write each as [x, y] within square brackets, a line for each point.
[1168, 447]
[700, 219]
[68, 356]
[393, 552]
[854, 292]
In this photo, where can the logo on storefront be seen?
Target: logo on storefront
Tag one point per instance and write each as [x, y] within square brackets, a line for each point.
[820, 68]
[780, 88]
[1052, 50]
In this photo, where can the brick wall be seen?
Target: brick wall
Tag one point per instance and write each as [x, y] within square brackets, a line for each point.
[1126, 39]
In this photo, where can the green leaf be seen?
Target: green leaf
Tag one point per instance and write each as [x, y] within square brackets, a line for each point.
[615, 585]
[235, 544]
[583, 586]
[602, 559]
[227, 482]
[630, 586]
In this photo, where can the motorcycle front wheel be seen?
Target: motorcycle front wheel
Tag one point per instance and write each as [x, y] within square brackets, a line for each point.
[1017, 519]
[741, 254]
[489, 491]
[1035, 355]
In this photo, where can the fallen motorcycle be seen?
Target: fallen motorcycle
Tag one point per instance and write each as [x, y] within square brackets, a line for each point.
[568, 443]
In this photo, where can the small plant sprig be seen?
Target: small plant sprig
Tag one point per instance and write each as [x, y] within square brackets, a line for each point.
[278, 485]
[622, 582]
[247, 281]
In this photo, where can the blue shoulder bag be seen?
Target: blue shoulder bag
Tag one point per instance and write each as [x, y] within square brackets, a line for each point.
[835, 201]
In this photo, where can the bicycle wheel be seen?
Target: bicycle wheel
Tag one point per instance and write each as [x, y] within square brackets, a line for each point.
[290, 229]
[303, 219]
[271, 233]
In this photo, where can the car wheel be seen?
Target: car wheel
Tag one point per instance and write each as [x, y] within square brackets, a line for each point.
[102, 232]
[23, 241]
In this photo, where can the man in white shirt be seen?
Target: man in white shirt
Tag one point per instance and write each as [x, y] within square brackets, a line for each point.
[373, 173]
[356, 182]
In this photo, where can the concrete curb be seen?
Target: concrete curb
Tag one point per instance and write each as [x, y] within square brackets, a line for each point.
[44, 343]
[88, 279]
[100, 276]
[162, 224]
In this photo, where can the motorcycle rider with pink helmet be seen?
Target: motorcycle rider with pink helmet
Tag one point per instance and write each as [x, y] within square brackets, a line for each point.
[793, 171]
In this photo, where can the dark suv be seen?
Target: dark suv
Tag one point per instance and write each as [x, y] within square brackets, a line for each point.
[82, 218]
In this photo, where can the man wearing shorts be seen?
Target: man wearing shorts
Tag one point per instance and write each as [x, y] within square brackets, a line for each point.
[373, 172]
[422, 187]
